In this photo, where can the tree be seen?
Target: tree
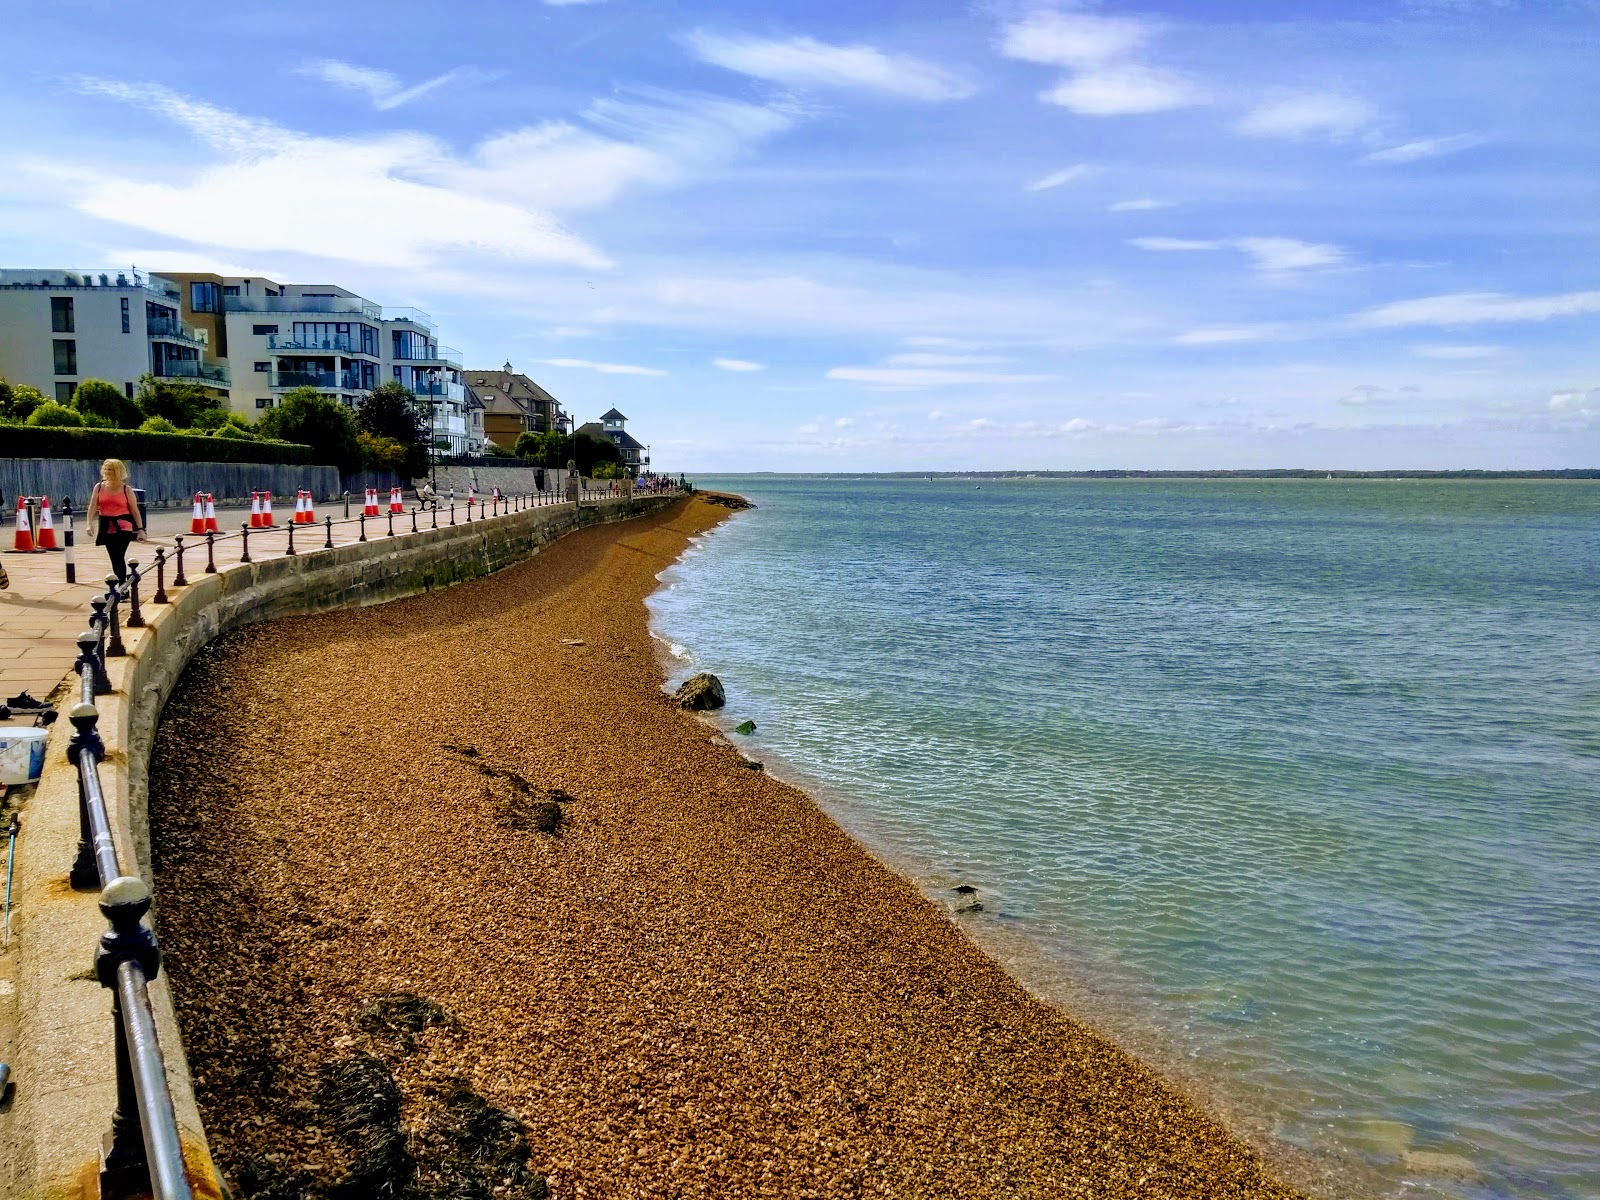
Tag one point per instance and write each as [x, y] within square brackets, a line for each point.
[184, 404]
[550, 449]
[97, 398]
[588, 450]
[381, 453]
[310, 418]
[24, 400]
[390, 411]
[157, 425]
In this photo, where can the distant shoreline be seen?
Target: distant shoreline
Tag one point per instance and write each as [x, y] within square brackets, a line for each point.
[1281, 473]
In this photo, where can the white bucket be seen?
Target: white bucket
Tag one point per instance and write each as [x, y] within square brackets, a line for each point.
[21, 754]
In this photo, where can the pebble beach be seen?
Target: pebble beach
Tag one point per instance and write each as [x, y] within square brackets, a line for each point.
[456, 902]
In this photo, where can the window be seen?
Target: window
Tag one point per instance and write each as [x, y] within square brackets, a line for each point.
[263, 330]
[61, 314]
[263, 366]
[231, 289]
[127, 389]
[124, 314]
[66, 351]
[205, 298]
[64, 392]
[263, 401]
[410, 345]
[397, 372]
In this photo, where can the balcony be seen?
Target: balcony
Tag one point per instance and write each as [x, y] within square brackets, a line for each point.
[304, 304]
[62, 281]
[411, 316]
[170, 330]
[323, 381]
[437, 356]
[192, 368]
[428, 389]
[290, 344]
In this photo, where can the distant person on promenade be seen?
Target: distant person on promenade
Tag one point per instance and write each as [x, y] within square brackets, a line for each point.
[113, 506]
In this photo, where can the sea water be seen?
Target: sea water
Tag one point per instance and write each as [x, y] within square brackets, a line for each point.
[1306, 773]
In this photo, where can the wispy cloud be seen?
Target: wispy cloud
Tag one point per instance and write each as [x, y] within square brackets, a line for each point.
[1475, 308]
[383, 88]
[913, 378]
[406, 200]
[1066, 175]
[1361, 395]
[921, 359]
[1139, 205]
[1104, 78]
[1575, 403]
[1269, 254]
[1408, 152]
[1310, 115]
[737, 364]
[1457, 353]
[1224, 335]
[805, 61]
[584, 364]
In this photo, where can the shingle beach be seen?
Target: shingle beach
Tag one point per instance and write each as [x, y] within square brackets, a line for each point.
[437, 842]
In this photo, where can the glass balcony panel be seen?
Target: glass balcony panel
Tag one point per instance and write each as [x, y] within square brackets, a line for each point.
[192, 368]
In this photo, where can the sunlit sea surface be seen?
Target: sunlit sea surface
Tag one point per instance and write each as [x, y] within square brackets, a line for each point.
[1302, 776]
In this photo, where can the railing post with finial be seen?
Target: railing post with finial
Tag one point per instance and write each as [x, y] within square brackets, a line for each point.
[391, 522]
[328, 522]
[211, 552]
[114, 646]
[178, 580]
[85, 873]
[161, 577]
[135, 613]
[291, 549]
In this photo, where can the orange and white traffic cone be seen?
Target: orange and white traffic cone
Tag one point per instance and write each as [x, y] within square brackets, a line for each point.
[47, 527]
[397, 500]
[311, 513]
[24, 539]
[370, 509]
[211, 514]
[197, 522]
[266, 510]
[299, 506]
[255, 510]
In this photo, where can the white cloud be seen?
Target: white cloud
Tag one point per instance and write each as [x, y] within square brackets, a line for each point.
[583, 364]
[1574, 403]
[1361, 395]
[1474, 308]
[802, 61]
[1226, 335]
[406, 200]
[1288, 254]
[926, 377]
[1273, 255]
[1408, 152]
[737, 364]
[1172, 244]
[1141, 205]
[1072, 39]
[1123, 90]
[1455, 353]
[1066, 175]
[382, 87]
[844, 422]
[945, 360]
[1103, 79]
[1310, 114]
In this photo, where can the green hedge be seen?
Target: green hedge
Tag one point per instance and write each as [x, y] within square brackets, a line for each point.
[26, 441]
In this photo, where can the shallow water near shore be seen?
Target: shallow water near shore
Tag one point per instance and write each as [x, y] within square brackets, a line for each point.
[1306, 772]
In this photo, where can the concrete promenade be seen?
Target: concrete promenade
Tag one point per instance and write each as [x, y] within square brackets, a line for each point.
[55, 1022]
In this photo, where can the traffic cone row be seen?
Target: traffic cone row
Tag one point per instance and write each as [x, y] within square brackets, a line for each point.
[24, 538]
[397, 500]
[261, 510]
[304, 513]
[370, 508]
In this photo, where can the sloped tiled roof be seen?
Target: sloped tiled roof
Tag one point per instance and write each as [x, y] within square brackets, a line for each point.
[613, 415]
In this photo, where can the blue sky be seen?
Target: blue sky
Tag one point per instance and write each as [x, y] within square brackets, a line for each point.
[878, 235]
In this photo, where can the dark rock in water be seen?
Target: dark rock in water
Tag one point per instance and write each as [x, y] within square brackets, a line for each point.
[753, 764]
[967, 899]
[700, 693]
[725, 499]
[745, 727]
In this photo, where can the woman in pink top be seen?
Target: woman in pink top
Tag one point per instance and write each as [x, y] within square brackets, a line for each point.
[112, 505]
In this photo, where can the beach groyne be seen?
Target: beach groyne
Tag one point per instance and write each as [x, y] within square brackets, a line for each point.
[65, 1087]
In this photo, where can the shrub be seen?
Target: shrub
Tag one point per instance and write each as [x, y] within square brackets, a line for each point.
[24, 400]
[381, 453]
[51, 415]
[390, 412]
[96, 397]
[307, 417]
[157, 425]
[551, 449]
[184, 404]
[588, 450]
[237, 433]
[96, 421]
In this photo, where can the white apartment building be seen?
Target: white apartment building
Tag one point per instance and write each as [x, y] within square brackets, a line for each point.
[59, 327]
[276, 337]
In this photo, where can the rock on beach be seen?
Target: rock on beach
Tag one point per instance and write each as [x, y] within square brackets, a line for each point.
[701, 692]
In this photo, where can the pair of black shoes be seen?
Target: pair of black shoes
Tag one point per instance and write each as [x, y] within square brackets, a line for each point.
[23, 703]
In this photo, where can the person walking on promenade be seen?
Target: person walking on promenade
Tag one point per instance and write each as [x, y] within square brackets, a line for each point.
[112, 505]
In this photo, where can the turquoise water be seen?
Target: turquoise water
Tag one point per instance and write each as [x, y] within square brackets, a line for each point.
[1306, 774]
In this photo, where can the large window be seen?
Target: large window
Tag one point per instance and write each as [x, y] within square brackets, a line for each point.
[61, 314]
[66, 351]
[263, 330]
[124, 314]
[64, 392]
[263, 367]
[410, 346]
[205, 298]
[351, 337]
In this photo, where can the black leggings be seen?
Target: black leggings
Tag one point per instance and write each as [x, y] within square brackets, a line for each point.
[116, 545]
